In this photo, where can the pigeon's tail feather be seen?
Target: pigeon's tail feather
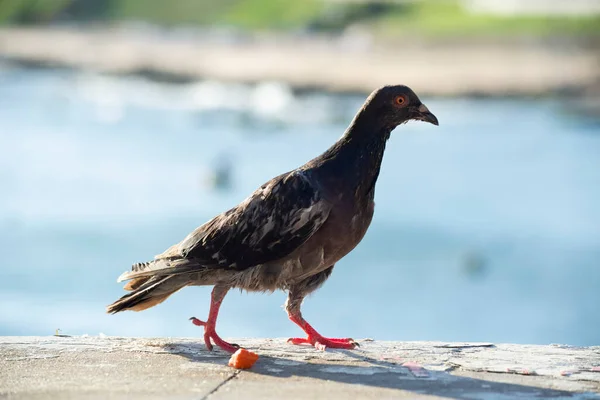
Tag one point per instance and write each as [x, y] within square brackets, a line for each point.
[142, 272]
[147, 292]
[136, 283]
[144, 269]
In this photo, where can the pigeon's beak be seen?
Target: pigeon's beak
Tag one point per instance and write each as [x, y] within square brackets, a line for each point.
[423, 114]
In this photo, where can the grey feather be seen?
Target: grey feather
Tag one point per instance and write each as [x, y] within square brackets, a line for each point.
[270, 224]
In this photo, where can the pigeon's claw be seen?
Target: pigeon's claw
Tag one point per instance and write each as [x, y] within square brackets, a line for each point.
[314, 338]
[321, 343]
[210, 333]
[197, 322]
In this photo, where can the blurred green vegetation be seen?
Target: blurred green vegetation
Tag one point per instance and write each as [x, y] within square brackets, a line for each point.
[249, 14]
[30, 11]
[448, 18]
[424, 18]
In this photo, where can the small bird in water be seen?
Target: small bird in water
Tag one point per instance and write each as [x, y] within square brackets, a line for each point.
[290, 232]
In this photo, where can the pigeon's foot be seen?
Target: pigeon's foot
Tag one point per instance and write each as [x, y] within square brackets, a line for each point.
[210, 333]
[217, 296]
[321, 343]
[315, 339]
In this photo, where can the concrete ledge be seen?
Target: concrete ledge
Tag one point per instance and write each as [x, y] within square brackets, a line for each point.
[116, 367]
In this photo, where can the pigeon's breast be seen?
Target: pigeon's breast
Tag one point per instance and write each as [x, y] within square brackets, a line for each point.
[342, 232]
[345, 227]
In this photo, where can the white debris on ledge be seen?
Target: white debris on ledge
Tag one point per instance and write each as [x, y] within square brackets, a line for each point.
[68, 366]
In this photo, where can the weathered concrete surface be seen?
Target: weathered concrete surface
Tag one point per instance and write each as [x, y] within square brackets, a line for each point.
[522, 68]
[174, 368]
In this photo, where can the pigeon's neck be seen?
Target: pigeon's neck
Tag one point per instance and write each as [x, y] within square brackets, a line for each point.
[354, 161]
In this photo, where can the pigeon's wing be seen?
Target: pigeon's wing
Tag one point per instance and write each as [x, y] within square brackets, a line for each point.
[270, 224]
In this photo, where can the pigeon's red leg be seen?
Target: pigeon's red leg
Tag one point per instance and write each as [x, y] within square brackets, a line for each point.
[315, 339]
[292, 306]
[217, 296]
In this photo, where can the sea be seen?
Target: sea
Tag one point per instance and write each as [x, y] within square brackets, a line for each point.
[486, 228]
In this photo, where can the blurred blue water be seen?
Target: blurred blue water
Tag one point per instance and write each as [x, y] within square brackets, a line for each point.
[486, 228]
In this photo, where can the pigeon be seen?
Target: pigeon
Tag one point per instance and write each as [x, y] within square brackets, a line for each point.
[287, 235]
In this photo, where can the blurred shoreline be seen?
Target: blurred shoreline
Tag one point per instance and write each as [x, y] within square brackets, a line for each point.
[339, 64]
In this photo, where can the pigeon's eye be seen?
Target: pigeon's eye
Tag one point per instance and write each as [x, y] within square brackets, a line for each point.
[401, 101]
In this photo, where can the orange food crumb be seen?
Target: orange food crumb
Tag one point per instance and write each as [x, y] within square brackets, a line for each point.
[243, 359]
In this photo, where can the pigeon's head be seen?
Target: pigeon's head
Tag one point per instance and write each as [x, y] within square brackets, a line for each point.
[396, 105]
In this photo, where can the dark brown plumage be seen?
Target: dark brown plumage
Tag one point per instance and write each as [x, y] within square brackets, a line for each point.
[290, 232]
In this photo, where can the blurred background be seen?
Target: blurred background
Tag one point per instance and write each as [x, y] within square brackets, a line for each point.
[125, 124]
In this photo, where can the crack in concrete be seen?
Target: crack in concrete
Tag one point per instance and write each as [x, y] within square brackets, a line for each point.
[220, 385]
[465, 346]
